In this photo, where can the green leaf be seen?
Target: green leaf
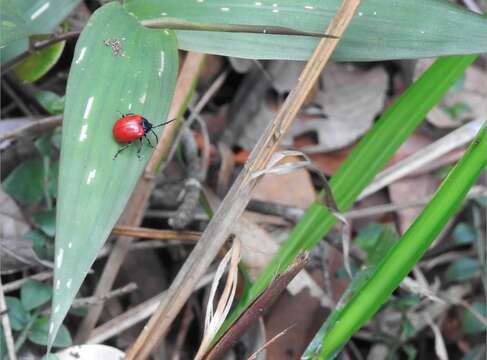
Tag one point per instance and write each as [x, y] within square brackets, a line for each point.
[39, 63]
[462, 269]
[380, 30]
[25, 182]
[40, 330]
[50, 101]
[376, 239]
[464, 234]
[12, 25]
[471, 325]
[93, 186]
[46, 221]
[40, 17]
[44, 144]
[34, 294]
[19, 317]
[43, 245]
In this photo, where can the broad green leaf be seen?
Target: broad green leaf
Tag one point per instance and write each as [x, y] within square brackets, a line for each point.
[25, 182]
[19, 317]
[41, 17]
[464, 234]
[470, 324]
[462, 269]
[42, 245]
[93, 186]
[34, 294]
[382, 29]
[46, 221]
[50, 101]
[40, 331]
[12, 25]
[39, 63]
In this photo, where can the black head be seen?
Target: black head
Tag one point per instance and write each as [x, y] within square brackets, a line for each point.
[146, 125]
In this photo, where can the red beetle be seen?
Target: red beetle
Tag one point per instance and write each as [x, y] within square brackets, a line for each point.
[131, 127]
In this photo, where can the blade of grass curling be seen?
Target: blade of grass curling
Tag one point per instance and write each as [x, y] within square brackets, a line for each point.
[381, 29]
[363, 163]
[406, 253]
[118, 67]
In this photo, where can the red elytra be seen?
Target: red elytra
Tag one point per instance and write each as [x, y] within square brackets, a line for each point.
[131, 127]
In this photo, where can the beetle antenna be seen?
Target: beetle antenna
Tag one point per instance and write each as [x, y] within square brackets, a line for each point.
[167, 122]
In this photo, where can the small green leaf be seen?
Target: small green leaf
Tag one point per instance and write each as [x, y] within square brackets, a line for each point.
[407, 329]
[19, 317]
[50, 101]
[25, 182]
[118, 67]
[376, 239]
[410, 351]
[40, 330]
[44, 144]
[37, 64]
[34, 294]
[471, 325]
[46, 221]
[42, 244]
[464, 234]
[462, 269]
[403, 303]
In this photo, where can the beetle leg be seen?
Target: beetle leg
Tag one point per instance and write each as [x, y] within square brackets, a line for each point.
[139, 149]
[157, 139]
[120, 150]
[148, 141]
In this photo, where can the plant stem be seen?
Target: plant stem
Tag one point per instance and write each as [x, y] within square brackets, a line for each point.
[25, 331]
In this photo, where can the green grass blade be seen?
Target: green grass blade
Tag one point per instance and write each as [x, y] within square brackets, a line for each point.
[407, 252]
[382, 29]
[93, 187]
[365, 161]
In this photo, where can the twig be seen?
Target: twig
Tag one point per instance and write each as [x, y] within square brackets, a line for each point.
[135, 315]
[134, 212]
[146, 233]
[16, 99]
[39, 45]
[239, 194]
[17, 284]
[7, 329]
[35, 127]
[93, 300]
[179, 24]
[188, 316]
[257, 308]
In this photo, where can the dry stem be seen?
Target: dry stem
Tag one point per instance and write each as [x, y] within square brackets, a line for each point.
[238, 196]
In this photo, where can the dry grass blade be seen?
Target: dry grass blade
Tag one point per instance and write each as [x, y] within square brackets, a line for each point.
[213, 320]
[238, 196]
[255, 310]
[146, 233]
[274, 339]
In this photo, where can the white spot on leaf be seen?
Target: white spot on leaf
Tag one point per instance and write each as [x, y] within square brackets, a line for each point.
[68, 284]
[39, 11]
[59, 258]
[258, 3]
[142, 98]
[225, 9]
[70, 245]
[82, 135]
[161, 67]
[360, 13]
[91, 176]
[58, 285]
[309, 7]
[89, 104]
[56, 309]
[81, 55]
[130, 106]
[51, 328]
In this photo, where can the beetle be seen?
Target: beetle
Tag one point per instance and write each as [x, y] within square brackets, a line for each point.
[132, 127]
